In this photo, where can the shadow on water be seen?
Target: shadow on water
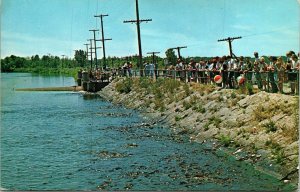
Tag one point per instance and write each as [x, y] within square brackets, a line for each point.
[91, 96]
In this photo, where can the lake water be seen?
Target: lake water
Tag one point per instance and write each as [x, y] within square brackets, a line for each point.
[68, 141]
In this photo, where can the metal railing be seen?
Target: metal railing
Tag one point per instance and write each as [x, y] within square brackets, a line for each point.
[269, 81]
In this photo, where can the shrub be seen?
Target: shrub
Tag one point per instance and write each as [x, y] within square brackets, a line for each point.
[124, 86]
[233, 95]
[279, 157]
[249, 87]
[159, 105]
[186, 105]
[186, 88]
[206, 126]
[225, 140]
[215, 120]
[261, 113]
[143, 82]
[270, 127]
[199, 108]
[170, 85]
[276, 151]
[177, 118]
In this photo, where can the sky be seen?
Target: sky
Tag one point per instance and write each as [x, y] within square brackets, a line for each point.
[58, 27]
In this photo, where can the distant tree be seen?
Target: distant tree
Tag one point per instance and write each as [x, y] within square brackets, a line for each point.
[171, 57]
[80, 57]
[35, 58]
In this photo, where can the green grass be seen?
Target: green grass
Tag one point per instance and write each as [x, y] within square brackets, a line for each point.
[225, 140]
[270, 127]
[124, 86]
[199, 108]
[233, 95]
[206, 126]
[215, 120]
[277, 151]
[187, 90]
[186, 105]
[177, 118]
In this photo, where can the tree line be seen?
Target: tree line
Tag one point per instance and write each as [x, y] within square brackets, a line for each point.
[38, 63]
[49, 62]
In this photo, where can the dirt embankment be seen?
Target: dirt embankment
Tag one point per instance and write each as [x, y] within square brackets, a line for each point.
[261, 129]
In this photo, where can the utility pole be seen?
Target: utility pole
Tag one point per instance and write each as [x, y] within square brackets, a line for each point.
[229, 40]
[153, 54]
[138, 21]
[91, 52]
[95, 46]
[178, 50]
[87, 51]
[103, 39]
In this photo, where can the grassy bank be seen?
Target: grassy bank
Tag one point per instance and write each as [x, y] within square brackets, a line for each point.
[257, 127]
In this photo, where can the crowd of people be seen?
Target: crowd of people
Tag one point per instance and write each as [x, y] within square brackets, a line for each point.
[266, 72]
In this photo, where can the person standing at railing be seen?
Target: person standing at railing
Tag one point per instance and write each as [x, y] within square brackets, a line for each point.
[224, 72]
[192, 69]
[130, 69]
[215, 68]
[248, 70]
[231, 65]
[264, 75]
[289, 55]
[209, 67]
[202, 74]
[297, 68]
[97, 74]
[146, 69]
[151, 70]
[189, 71]
[179, 68]
[279, 69]
[239, 68]
[271, 75]
[170, 71]
[125, 67]
[257, 74]
[291, 70]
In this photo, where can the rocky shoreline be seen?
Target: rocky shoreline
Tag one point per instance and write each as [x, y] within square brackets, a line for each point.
[261, 129]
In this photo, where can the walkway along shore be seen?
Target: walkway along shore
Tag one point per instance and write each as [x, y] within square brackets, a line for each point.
[261, 129]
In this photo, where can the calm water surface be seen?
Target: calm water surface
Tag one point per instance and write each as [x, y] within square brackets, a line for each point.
[67, 141]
